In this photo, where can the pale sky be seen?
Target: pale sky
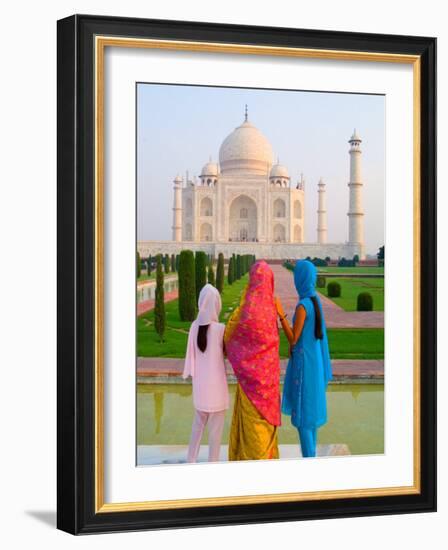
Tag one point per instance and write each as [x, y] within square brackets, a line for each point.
[180, 127]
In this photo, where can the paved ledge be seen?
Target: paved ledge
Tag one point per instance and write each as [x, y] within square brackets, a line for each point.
[149, 455]
[352, 275]
[159, 370]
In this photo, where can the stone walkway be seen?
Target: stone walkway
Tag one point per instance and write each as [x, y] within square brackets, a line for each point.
[335, 316]
[167, 370]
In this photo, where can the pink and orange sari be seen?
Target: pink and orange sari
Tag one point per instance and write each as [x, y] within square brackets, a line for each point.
[252, 346]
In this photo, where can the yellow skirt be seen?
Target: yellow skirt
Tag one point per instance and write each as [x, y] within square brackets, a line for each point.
[251, 436]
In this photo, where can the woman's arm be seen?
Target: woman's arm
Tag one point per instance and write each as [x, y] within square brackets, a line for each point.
[291, 333]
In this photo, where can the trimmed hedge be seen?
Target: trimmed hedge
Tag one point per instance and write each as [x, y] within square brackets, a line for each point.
[321, 282]
[333, 289]
[231, 271]
[187, 286]
[201, 271]
[211, 275]
[364, 302]
[159, 306]
[238, 267]
[139, 265]
[220, 272]
[166, 263]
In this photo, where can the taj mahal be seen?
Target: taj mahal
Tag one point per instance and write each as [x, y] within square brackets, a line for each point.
[247, 203]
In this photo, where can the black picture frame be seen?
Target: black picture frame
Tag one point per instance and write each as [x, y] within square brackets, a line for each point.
[75, 271]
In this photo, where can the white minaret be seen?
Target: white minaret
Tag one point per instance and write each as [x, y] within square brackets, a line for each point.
[177, 209]
[355, 211]
[321, 213]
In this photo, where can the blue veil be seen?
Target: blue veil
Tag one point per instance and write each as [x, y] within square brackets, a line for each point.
[305, 277]
[309, 366]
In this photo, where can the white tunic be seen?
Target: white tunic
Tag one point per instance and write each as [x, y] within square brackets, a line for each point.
[207, 369]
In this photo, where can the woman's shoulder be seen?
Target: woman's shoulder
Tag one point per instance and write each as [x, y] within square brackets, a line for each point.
[218, 326]
[193, 325]
[306, 304]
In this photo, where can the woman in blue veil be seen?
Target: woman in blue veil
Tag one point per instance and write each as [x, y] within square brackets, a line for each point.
[309, 366]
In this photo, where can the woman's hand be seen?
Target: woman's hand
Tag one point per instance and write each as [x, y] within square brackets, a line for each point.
[279, 307]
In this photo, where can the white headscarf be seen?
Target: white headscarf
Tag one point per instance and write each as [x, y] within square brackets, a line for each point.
[209, 304]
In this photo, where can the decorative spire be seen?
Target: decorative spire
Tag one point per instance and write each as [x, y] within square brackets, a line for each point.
[354, 137]
[245, 114]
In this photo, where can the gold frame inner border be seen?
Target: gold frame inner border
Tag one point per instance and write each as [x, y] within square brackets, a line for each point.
[101, 42]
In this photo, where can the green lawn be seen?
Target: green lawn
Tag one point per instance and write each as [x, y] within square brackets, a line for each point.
[146, 277]
[356, 343]
[344, 343]
[350, 288]
[367, 269]
[349, 343]
[176, 333]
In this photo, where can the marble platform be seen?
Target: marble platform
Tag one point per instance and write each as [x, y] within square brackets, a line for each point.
[149, 455]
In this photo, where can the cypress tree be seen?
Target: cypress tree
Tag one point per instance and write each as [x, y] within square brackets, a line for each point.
[187, 286]
[166, 262]
[220, 273]
[159, 307]
[201, 271]
[238, 267]
[139, 265]
[177, 263]
[173, 263]
[148, 266]
[211, 275]
[230, 271]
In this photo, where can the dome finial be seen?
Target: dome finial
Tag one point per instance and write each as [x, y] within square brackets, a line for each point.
[245, 114]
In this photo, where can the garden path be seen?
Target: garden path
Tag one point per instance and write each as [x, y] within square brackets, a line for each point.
[335, 316]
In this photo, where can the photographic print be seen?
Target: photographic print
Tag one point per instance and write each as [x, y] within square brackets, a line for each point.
[233, 345]
[260, 274]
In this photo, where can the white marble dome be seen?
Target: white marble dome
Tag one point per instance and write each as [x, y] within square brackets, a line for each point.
[279, 171]
[245, 150]
[210, 169]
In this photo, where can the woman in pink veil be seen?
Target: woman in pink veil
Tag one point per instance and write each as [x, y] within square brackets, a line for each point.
[252, 346]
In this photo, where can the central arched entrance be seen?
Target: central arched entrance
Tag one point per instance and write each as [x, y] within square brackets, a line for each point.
[243, 220]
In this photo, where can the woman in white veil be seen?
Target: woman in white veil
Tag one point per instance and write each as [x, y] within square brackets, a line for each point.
[204, 362]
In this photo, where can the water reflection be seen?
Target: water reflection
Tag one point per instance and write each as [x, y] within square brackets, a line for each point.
[355, 412]
[147, 291]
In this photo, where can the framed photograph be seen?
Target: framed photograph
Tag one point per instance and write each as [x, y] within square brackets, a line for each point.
[234, 346]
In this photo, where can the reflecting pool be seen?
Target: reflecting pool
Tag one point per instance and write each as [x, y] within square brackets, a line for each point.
[147, 291]
[355, 417]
